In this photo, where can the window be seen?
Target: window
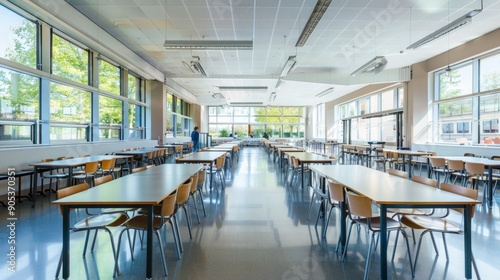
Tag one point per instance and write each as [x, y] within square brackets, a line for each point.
[455, 82]
[109, 77]
[277, 121]
[447, 128]
[110, 118]
[69, 61]
[69, 104]
[19, 38]
[489, 73]
[135, 121]
[490, 126]
[463, 127]
[134, 87]
[18, 96]
[371, 129]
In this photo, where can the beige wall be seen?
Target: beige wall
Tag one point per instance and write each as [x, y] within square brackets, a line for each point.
[418, 89]
[158, 110]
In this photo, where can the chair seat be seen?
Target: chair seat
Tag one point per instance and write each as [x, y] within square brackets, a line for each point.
[375, 223]
[56, 175]
[97, 221]
[430, 223]
[141, 222]
[117, 210]
[407, 211]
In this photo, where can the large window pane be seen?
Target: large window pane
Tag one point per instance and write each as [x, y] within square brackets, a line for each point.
[68, 104]
[134, 85]
[18, 41]
[109, 77]
[11, 132]
[18, 96]
[456, 82]
[489, 114]
[69, 60]
[110, 111]
[454, 120]
[489, 73]
[62, 133]
[387, 100]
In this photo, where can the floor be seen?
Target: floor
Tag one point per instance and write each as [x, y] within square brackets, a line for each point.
[255, 229]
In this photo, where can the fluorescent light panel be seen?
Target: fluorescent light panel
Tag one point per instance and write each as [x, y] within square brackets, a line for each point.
[208, 45]
[375, 65]
[450, 27]
[288, 66]
[312, 22]
[325, 92]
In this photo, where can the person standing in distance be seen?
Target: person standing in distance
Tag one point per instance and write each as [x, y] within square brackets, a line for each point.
[195, 137]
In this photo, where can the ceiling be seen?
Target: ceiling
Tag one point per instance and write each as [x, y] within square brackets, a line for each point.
[349, 34]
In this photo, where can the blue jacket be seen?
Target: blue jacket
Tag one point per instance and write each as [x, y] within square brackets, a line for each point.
[195, 136]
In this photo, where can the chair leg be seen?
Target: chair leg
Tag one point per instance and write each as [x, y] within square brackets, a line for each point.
[188, 220]
[445, 247]
[181, 248]
[310, 206]
[200, 195]
[368, 257]
[162, 253]
[418, 250]
[86, 243]
[176, 241]
[196, 208]
[347, 241]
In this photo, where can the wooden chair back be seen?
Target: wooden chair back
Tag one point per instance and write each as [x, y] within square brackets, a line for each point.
[102, 180]
[470, 193]
[398, 173]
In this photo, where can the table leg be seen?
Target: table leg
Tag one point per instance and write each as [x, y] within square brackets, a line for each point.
[33, 193]
[383, 241]
[490, 186]
[65, 246]
[149, 242]
[468, 241]
[302, 173]
[211, 174]
[409, 166]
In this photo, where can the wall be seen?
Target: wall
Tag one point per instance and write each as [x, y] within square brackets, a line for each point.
[158, 110]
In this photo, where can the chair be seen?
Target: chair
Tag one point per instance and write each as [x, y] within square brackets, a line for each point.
[438, 165]
[469, 155]
[199, 190]
[219, 169]
[398, 173]
[52, 175]
[475, 174]
[297, 170]
[359, 209]
[89, 173]
[107, 168]
[335, 198]
[420, 162]
[163, 215]
[182, 201]
[192, 191]
[139, 169]
[440, 224]
[456, 168]
[94, 222]
[320, 195]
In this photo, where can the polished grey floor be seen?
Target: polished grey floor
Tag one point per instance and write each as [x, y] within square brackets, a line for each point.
[255, 229]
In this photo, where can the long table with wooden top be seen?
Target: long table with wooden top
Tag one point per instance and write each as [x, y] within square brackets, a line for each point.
[70, 164]
[308, 158]
[203, 157]
[409, 154]
[488, 164]
[144, 189]
[395, 192]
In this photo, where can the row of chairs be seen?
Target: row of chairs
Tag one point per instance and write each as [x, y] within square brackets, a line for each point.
[165, 213]
[360, 213]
